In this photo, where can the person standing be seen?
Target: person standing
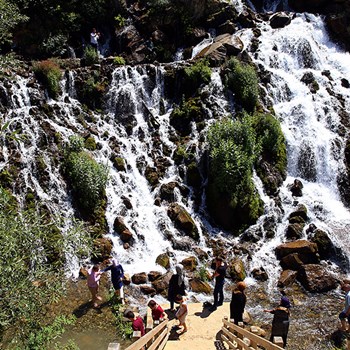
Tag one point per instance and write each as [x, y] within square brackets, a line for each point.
[219, 275]
[117, 275]
[93, 281]
[181, 313]
[238, 302]
[94, 36]
[344, 316]
[176, 286]
[280, 322]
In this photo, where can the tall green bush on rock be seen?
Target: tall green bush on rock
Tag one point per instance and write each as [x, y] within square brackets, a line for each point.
[242, 79]
[49, 73]
[195, 75]
[87, 178]
[231, 196]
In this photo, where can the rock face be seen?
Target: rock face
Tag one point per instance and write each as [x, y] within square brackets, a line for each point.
[198, 286]
[315, 278]
[139, 278]
[287, 278]
[280, 20]
[121, 229]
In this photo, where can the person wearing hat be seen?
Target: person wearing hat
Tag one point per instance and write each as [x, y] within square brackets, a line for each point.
[238, 302]
[117, 275]
[280, 322]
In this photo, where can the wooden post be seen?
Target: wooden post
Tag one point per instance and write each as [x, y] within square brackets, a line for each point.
[254, 330]
[278, 341]
[136, 334]
[113, 346]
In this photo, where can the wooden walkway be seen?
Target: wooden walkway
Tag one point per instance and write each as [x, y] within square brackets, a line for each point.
[203, 329]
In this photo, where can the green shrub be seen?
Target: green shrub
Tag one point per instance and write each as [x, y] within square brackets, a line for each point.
[92, 92]
[49, 73]
[120, 21]
[197, 74]
[118, 60]
[55, 45]
[91, 56]
[241, 78]
[90, 143]
[272, 140]
[87, 178]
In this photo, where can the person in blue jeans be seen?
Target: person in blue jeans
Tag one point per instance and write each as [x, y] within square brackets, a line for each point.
[117, 275]
[219, 275]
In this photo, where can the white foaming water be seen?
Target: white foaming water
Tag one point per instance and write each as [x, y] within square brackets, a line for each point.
[310, 122]
[202, 45]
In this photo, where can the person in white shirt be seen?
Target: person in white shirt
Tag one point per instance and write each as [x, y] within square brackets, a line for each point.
[94, 36]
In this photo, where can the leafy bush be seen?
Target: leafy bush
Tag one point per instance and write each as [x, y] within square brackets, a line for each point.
[197, 74]
[242, 80]
[120, 21]
[91, 56]
[34, 282]
[92, 92]
[49, 73]
[271, 138]
[55, 45]
[87, 178]
[118, 60]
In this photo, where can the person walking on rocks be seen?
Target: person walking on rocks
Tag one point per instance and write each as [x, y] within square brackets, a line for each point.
[344, 316]
[176, 286]
[117, 275]
[219, 275]
[93, 280]
[238, 302]
[280, 322]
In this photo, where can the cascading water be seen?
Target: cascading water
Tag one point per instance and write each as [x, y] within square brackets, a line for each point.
[310, 121]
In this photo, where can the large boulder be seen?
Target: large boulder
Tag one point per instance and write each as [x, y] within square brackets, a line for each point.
[199, 286]
[183, 221]
[287, 278]
[316, 279]
[190, 263]
[295, 231]
[163, 260]
[121, 229]
[301, 247]
[139, 278]
[300, 211]
[280, 20]
[161, 284]
[236, 270]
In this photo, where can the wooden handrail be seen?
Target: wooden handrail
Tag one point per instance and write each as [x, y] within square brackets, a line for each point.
[154, 333]
[231, 327]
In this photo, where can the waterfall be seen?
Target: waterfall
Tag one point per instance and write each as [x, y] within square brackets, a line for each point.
[299, 57]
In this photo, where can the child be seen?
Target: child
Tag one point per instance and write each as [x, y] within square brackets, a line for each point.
[93, 281]
[137, 323]
[181, 313]
[157, 311]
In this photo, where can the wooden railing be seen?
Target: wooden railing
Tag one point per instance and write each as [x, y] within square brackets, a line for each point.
[237, 337]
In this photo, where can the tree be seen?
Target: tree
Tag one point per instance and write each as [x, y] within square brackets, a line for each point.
[10, 17]
[32, 253]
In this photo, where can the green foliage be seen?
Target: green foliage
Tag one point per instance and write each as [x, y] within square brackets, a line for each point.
[233, 152]
[123, 328]
[49, 73]
[271, 138]
[118, 60]
[10, 18]
[91, 56]
[87, 177]
[197, 74]
[42, 338]
[202, 274]
[90, 143]
[92, 92]
[120, 21]
[55, 45]
[29, 282]
[241, 78]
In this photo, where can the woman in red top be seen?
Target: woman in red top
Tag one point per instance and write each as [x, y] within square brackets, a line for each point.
[157, 311]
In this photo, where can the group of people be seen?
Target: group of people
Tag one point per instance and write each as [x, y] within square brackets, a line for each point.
[177, 293]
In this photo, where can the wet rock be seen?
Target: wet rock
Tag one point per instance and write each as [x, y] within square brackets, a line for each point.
[280, 20]
[201, 254]
[236, 270]
[291, 262]
[316, 279]
[190, 263]
[260, 274]
[324, 243]
[139, 278]
[153, 275]
[127, 202]
[199, 286]
[152, 175]
[121, 229]
[183, 220]
[147, 290]
[166, 191]
[302, 247]
[296, 188]
[103, 249]
[161, 284]
[126, 279]
[287, 278]
[301, 211]
[294, 231]
[163, 260]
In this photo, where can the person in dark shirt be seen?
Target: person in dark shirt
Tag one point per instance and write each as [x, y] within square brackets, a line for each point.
[219, 275]
[117, 275]
[280, 322]
[238, 302]
[176, 286]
